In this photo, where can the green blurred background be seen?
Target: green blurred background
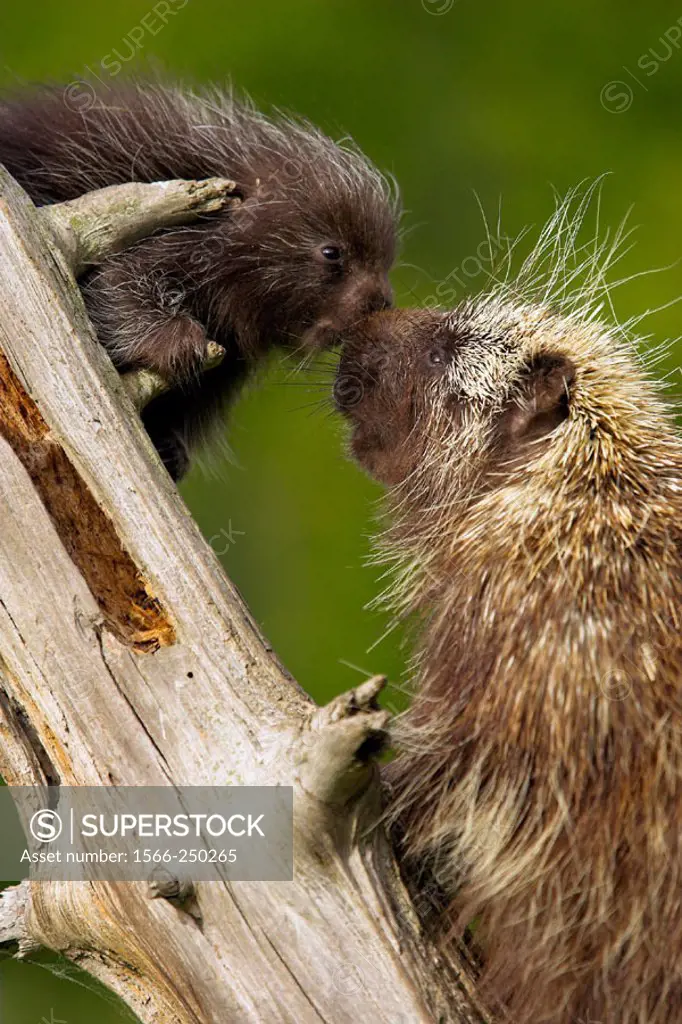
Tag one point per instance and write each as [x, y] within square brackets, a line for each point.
[504, 99]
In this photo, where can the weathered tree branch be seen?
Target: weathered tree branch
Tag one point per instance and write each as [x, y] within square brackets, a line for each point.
[109, 220]
[126, 657]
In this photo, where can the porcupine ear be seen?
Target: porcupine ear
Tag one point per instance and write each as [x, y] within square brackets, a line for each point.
[542, 402]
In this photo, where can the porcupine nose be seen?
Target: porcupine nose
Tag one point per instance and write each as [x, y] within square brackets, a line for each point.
[368, 294]
[379, 299]
[357, 377]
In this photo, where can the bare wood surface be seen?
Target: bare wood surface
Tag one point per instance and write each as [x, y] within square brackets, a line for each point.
[127, 657]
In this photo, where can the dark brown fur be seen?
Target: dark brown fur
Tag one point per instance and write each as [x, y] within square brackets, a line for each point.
[250, 279]
[536, 514]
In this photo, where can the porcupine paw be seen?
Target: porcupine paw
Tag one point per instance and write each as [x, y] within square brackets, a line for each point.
[176, 349]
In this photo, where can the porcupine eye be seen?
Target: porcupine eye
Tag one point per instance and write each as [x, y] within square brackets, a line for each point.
[437, 360]
[331, 253]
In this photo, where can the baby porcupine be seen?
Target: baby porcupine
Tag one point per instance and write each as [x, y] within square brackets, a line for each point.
[535, 500]
[306, 253]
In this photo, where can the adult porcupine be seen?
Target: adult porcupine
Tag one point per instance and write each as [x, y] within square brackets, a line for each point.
[536, 506]
[306, 253]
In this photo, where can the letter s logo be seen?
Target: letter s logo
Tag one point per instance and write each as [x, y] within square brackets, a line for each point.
[46, 826]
